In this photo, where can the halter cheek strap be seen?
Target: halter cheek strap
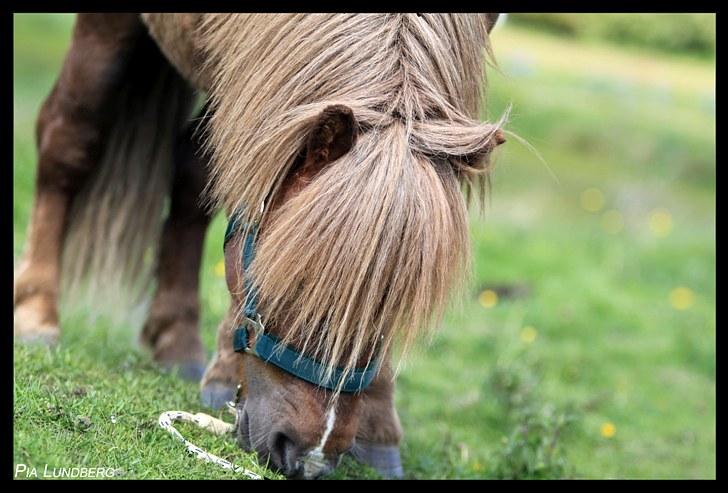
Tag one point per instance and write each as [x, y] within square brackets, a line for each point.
[268, 347]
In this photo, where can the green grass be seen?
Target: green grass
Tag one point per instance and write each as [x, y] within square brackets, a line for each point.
[485, 398]
[670, 33]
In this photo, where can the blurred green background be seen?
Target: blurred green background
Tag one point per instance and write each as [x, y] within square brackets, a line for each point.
[587, 345]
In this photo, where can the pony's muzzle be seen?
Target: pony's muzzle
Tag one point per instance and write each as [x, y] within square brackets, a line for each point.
[284, 454]
[296, 460]
[284, 451]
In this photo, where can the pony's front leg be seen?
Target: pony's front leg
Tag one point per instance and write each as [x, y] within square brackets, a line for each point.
[172, 327]
[69, 134]
[379, 433]
[225, 371]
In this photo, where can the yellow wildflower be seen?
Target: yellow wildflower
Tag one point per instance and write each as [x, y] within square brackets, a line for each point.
[608, 430]
[682, 298]
[528, 334]
[220, 269]
[488, 298]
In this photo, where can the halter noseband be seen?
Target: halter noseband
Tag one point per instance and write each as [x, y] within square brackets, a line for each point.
[268, 348]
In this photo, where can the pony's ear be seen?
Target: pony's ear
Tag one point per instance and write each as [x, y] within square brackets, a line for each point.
[333, 134]
[492, 19]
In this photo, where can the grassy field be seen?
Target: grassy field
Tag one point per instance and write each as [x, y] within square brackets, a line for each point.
[586, 347]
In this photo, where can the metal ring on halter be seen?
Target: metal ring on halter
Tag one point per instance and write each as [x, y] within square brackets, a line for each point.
[258, 329]
[233, 406]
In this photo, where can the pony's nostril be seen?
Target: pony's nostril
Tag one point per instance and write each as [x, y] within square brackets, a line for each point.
[284, 454]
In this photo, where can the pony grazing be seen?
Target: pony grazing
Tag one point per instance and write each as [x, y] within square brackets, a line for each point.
[339, 146]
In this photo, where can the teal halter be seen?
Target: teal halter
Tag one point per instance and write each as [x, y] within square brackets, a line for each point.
[267, 347]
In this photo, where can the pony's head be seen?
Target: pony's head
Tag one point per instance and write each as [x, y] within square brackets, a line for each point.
[358, 133]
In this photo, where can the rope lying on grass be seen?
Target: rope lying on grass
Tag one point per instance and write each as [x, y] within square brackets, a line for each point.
[206, 422]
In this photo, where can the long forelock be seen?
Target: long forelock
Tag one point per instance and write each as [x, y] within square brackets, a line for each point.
[366, 254]
[363, 249]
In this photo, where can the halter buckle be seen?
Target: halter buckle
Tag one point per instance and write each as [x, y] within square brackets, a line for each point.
[233, 407]
[258, 328]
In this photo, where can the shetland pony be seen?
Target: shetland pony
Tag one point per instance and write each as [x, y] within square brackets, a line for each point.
[341, 144]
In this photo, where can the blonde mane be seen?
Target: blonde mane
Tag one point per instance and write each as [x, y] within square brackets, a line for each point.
[371, 250]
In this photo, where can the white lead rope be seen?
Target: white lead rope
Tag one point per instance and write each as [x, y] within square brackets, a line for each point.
[206, 422]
